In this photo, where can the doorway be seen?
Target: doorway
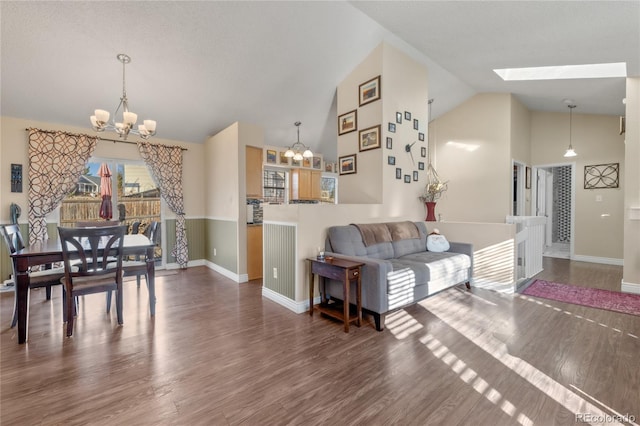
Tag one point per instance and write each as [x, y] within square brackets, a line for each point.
[555, 199]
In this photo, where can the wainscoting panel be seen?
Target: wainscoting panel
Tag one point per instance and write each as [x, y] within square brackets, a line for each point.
[280, 253]
[222, 236]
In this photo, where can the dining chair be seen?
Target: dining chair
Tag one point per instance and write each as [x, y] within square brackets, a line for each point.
[44, 278]
[89, 266]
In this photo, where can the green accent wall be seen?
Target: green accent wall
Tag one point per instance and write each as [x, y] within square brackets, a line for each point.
[279, 242]
[223, 236]
[196, 238]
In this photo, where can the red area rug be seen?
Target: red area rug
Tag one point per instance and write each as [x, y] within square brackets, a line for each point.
[595, 298]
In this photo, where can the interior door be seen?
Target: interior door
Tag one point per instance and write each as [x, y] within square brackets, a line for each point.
[544, 201]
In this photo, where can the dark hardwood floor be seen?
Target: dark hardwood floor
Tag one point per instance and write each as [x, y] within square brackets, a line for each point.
[217, 353]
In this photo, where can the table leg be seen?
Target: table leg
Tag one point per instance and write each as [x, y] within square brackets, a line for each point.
[22, 299]
[151, 278]
[359, 296]
[345, 284]
[311, 285]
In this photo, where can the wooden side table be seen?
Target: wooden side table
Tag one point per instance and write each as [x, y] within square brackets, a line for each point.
[341, 270]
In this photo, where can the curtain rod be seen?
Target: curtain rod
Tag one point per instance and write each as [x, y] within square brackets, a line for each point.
[102, 139]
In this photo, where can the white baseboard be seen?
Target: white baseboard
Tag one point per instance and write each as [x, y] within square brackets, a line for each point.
[243, 278]
[630, 288]
[199, 262]
[595, 259]
[297, 307]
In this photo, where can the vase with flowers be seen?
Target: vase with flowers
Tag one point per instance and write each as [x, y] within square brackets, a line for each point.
[432, 192]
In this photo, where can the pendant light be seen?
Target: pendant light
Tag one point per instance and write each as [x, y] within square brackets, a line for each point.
[298, 150]
[570, 152]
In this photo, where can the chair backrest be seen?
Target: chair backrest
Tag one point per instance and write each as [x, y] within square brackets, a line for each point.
[12, 237]
[96, 223]
[153, 231]
[135, 227]
[92, 251]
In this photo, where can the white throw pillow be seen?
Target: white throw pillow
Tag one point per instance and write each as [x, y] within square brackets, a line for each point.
[437, 243]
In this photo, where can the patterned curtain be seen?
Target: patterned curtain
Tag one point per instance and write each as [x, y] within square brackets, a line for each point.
[165, 163]
[56, 161]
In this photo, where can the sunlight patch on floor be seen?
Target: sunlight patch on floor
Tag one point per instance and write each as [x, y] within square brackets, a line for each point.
[401, 324]
[453, 314]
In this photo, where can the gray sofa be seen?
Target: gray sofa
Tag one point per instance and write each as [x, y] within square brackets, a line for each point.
[398, 270]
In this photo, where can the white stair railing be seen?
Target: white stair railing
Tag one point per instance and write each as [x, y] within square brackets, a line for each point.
[530, 232]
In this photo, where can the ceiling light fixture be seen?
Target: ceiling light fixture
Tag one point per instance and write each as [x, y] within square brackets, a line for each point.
[560, 72]
[100, 121]
[298, 150]
[570, 152]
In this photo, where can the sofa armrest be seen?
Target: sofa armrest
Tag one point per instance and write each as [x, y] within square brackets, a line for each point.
[464, 248]
[374, 280]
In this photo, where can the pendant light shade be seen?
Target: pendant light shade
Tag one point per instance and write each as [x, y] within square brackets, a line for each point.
[298, 150]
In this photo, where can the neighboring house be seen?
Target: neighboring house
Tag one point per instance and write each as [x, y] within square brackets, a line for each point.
[88, 185]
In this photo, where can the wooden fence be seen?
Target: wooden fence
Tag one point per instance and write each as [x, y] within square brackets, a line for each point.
[78, 209]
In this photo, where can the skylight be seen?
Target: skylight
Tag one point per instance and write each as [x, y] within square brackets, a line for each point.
[616, 69]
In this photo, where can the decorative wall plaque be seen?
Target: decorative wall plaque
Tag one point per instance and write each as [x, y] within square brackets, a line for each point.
[602, 176]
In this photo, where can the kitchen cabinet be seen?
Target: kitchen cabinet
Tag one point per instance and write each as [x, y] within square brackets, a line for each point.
[305, 184]
[253, 172]
[254, 252]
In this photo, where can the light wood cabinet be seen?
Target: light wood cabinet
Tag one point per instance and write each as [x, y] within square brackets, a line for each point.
[254, 172]
[305, 184]
[254, 252]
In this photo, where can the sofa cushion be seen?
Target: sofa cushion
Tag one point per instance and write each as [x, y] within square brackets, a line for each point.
[347, 240]
[433, 266]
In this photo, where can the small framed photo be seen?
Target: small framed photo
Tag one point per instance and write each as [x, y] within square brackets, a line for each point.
[407, 178]
[389, 143]
[347, 164]
[423, 152]
[391, 160]
[415, 175]
[421, 136]
[317, 163]
[283, 159]
[306, 162]
[369, 138]
[415, 123]
[272, 156]
[392, 127]
[348, 122]
[420, 165]
[296, 163]
[398, 173]
[407, 115]
[369, 91]
[329, 167]
[399, 117]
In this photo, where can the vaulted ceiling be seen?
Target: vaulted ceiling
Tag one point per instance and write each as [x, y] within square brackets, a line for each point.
[197, 67]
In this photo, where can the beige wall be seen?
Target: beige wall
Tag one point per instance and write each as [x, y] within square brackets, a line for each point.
[472, 153]
[631, 271]
[521, 142]
[596, 139]
[14, 149]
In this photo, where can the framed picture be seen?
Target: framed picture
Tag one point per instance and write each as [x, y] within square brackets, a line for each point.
[415, 176]
[407, 178]
[415, 123]
[398, 173]
[389, 143]
[407, 115]
[296, 163]
[317, 163]
[348, 122]
[329, 167]
[283, 159]
[272, 156]
[347, 165]
[369, 91]
[391, 160]
[602, 176]
[369, 138]
[420, 165]
[423, 152]
[392, 127]
[306, 162]
[421, 136]
[527, 178]
[399, 117]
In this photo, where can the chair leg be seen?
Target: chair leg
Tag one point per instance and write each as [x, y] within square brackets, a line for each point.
[138, 280]
[48, 288]
[70, 307]
[119, 305]
[14, 320]
[109, 301]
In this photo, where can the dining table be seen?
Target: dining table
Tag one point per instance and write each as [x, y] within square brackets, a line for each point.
[50, 251]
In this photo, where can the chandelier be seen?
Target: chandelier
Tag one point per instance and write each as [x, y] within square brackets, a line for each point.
[100, 121]
[570, 152]
[298, 150]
